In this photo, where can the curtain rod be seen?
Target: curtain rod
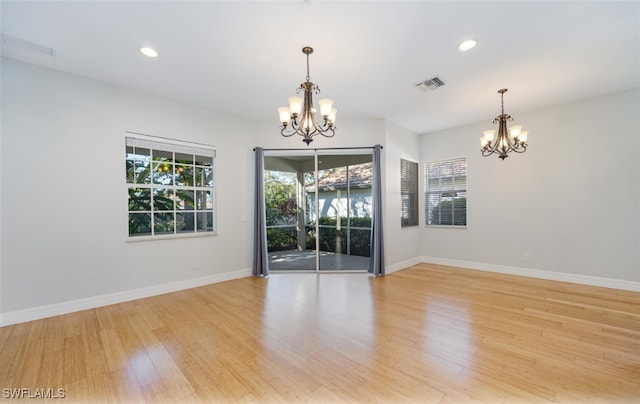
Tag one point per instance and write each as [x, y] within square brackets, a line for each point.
[327, 148]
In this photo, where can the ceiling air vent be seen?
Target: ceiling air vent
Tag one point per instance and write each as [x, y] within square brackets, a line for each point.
[431, 84]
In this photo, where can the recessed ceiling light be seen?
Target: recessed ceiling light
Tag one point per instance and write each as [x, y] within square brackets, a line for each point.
[466, 45]
[149, 52]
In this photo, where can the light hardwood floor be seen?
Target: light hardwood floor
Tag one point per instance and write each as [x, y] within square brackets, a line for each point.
[429, 334]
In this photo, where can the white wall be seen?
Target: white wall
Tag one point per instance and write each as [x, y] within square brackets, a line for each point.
[572, 201]
[358, 204]
[64, 199]
[402, 243]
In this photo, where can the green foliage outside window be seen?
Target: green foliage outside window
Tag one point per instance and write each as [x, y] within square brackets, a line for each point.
[334, 240]
[283, 238]
[451, 212]
[280, 198]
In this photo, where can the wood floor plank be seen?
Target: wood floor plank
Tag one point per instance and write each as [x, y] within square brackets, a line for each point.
[429, 333]
[74, 359]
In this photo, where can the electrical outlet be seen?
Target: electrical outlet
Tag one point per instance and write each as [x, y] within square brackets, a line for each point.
[526, 257]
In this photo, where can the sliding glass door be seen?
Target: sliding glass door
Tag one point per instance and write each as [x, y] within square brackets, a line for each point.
[318, 210]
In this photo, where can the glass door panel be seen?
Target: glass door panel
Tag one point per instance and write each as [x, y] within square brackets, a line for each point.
[344, 195]
[285, 212]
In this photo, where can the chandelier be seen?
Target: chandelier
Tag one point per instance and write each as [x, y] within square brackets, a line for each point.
[512, 140]
[300, 117]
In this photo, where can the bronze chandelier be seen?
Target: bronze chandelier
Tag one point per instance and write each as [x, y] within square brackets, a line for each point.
[509, 140]
[300, 117]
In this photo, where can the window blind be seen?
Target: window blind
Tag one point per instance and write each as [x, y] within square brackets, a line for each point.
[408, 193]
[446, 192]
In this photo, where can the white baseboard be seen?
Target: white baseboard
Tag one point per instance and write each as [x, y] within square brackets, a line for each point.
[401, 265]
[538, 273]
[36, 313]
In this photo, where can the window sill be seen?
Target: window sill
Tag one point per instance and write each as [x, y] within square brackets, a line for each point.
[438, 226]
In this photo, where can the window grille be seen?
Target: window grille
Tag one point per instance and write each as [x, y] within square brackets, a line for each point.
[170, 187]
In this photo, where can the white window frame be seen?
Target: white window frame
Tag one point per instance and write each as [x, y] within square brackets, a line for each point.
[441, 188]
[197, 207]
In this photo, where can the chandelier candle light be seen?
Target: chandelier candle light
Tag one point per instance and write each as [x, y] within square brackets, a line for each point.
[512, 140]
[300, 117]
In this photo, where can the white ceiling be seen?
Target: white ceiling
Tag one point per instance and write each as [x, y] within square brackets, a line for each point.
[244, 58]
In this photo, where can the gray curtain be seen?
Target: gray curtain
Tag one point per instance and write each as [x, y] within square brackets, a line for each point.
[376, 260]
[260, 258]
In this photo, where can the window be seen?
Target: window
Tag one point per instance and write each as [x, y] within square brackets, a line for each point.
[170, 185]
[408, 193]
[446, 192]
